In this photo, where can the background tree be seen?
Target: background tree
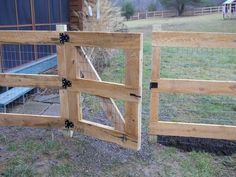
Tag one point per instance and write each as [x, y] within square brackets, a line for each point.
[179, 5]
[152, 7]
[127, 9]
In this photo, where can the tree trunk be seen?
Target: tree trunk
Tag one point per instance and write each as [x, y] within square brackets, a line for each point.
[181, 9]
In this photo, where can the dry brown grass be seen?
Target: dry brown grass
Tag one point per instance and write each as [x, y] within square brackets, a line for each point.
[110, 21]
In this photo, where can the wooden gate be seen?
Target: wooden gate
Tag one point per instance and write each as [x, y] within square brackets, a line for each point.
[207, 87]
[125, 131]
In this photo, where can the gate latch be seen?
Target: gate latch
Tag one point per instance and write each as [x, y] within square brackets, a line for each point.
[66, 83]
[69, 124]
[153, 85]
[64, 38]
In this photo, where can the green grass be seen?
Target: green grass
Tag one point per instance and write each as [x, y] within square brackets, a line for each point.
[19, 167]
[61, 170]
[198, 164]
[209, 23]
[189, 63]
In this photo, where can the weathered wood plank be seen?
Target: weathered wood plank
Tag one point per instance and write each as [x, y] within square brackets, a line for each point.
[133, 78]
[154, 98]
[94, 39]
[107, 133]
[156, 62]
[30, 80]
[72, 73]
[194, 39]
[29, 37]
[193, 130]
[105, 40]
[105, 89]
[26, 120]
[210, 87]
[61, 60]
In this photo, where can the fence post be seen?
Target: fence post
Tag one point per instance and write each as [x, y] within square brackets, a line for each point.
[64, 109]
[1, 59]
[138, 15]
[154, 99]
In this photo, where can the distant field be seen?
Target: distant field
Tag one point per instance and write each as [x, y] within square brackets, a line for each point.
[208, 23]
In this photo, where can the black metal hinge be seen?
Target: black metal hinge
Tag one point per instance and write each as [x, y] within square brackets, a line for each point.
[66, 83]
[153, 85]
[64, 38]
[69, 124]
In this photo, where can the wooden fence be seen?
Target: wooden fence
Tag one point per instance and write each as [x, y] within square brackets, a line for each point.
[174, 13]
[125, 131]
[206, 87]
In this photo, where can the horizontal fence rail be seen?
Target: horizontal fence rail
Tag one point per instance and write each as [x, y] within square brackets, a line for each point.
[188, 86]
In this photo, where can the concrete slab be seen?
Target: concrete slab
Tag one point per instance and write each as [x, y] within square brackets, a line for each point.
[53, 110]
[54, 98]
[31, 108]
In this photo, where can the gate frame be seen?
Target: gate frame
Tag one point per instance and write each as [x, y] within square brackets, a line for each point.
[70, 84]
[206, 87]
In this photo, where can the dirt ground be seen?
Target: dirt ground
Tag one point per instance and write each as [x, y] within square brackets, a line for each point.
[46, 152]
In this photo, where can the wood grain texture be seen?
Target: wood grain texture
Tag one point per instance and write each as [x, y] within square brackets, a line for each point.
[156, 62]
[154, 107]
[193, 39]
[30, 80]
[193, 130]
[37, 121]
[227, 88]
[78, 38]
[61, 67]
[105, 40]
[72, 70]
[107, 133]
[105, 89]
[133, 78]
[154, 98]
[29, 37]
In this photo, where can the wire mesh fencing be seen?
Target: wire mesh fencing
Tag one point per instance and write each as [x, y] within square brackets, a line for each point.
[200, 64]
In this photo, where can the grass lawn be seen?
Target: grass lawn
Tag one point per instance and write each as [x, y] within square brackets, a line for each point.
[36, 154]
[190, 63]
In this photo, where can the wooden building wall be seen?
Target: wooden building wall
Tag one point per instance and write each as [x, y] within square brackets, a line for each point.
[76, 22]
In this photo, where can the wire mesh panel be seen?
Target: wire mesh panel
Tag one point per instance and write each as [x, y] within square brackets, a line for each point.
[193, 84]
[198, 63]
[190, 108]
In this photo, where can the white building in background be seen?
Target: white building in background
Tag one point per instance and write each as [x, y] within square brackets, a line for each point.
[229, 9]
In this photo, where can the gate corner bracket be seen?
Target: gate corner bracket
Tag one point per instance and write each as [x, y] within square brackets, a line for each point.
[63, 37]
[69, 124]
[66, 83]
